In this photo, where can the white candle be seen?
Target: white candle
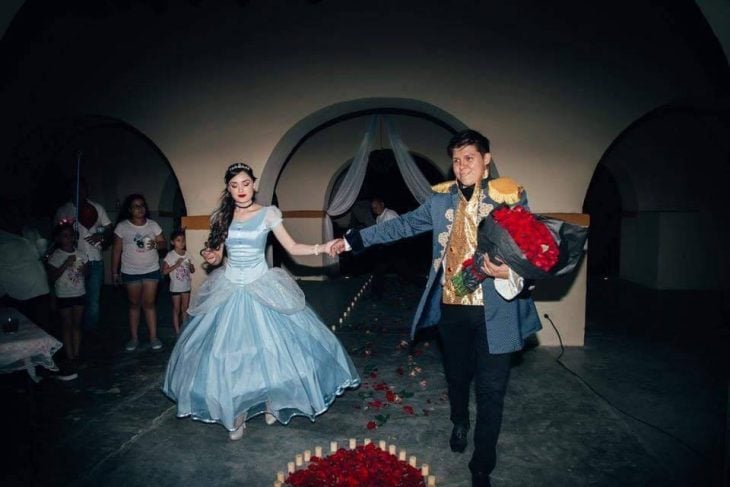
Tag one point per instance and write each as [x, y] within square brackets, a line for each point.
[277, 484]
[353, 443]
[298, 460]
[391, 449]
[318, 451]
[412, 461]
[367, 441]
[381, 445]
[402, 455]
[280, 476]
[333, 446]
[307, 455]
[340, 320]
[290, 467]
[424, 469]
[431, 481]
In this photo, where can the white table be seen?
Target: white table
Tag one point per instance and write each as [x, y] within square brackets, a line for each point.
[28, 347]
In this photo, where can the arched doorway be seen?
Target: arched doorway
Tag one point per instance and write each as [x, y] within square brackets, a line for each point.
[657, 219]
[308, 174]
[384, 180]
[114, 158]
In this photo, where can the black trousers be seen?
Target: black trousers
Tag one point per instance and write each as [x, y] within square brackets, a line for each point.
[466, 358]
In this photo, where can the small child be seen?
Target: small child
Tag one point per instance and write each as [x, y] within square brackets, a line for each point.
[67, 268]
[178, 265]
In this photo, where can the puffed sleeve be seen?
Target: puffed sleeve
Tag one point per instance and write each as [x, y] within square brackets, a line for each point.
[273, 217]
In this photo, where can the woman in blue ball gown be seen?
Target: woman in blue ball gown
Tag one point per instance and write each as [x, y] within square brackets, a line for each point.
[252, 346]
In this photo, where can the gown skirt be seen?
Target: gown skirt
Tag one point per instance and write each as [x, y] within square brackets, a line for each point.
[254, 348]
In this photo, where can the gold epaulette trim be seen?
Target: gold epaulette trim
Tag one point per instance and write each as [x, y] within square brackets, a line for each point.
[504, 190]
[444, 187]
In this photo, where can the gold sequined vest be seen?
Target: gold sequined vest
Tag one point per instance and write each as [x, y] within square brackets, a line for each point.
[461, 246]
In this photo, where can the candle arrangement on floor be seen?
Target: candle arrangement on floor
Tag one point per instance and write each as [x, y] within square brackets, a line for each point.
[351, 306]
[366, 464]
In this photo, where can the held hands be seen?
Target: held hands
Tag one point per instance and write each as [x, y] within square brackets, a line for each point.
[491, 269]
[186, 262]
[336, 247]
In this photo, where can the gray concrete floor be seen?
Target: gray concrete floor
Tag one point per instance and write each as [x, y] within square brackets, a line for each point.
[643, 403]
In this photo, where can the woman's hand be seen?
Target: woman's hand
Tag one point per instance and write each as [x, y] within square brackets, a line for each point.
[335, 247]
[211, 256]
[328, 248]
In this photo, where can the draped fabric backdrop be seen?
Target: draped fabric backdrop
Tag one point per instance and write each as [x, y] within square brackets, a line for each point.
[349, 189]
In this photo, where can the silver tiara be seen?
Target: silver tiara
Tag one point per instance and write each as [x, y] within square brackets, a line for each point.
[240, 165]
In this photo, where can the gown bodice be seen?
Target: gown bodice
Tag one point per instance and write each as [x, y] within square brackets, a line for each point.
[246, 244]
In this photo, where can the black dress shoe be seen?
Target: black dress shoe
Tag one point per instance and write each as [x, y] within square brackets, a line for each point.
[480, 479]
[457, 442]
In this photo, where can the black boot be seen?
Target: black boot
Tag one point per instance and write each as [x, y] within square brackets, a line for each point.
[457, 442]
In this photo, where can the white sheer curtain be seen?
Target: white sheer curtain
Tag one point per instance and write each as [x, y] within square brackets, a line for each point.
[351, 184]
[414, 178]
[350, 187]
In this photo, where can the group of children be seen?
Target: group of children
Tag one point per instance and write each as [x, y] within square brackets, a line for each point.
[67, 268]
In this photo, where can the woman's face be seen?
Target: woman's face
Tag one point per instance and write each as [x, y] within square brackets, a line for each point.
[137, 208]
[241, 188]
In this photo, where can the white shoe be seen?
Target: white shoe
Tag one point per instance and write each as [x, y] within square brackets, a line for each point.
[240, 425]
[270, 419]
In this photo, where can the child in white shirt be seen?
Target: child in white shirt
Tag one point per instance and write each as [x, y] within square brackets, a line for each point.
[67, 268]
[179, 267]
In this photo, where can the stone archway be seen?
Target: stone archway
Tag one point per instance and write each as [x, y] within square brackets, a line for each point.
[337, 112]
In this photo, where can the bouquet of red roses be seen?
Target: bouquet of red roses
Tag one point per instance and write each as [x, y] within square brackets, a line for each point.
[533, 246]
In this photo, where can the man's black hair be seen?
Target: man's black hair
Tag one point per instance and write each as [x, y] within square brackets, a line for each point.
[468, 137]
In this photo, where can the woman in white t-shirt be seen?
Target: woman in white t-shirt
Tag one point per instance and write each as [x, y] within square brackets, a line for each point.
[136, 242]
[179, 267]
[66, 268]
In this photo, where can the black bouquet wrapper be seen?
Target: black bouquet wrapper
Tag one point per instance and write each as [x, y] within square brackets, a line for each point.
[495, 241]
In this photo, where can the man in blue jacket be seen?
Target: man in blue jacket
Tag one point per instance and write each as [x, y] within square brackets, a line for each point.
[479, 331]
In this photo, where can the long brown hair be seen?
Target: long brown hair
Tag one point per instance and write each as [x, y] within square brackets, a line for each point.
[222, 217]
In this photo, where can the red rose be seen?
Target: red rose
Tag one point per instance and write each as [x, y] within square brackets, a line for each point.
[376, 404]
[372, 425]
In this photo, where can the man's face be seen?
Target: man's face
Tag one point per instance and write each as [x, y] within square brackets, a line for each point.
[469, 165]
[377, 207]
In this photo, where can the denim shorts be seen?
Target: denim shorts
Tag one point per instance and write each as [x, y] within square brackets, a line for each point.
[139, 278]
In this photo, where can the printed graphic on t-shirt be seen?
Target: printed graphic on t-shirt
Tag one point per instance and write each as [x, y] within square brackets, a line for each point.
[74, 274]
[182, 273]
[142, 242]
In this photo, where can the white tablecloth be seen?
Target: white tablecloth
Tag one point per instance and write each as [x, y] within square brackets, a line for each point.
[29, 347]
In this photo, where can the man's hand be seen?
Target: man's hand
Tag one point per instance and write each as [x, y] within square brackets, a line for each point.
[95, 238]
[338, 246]
[493, 270]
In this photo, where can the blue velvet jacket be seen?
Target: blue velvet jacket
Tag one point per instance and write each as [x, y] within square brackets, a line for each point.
[508, 322]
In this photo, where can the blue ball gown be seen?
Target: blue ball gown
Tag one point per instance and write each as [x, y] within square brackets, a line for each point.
[252, 345]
